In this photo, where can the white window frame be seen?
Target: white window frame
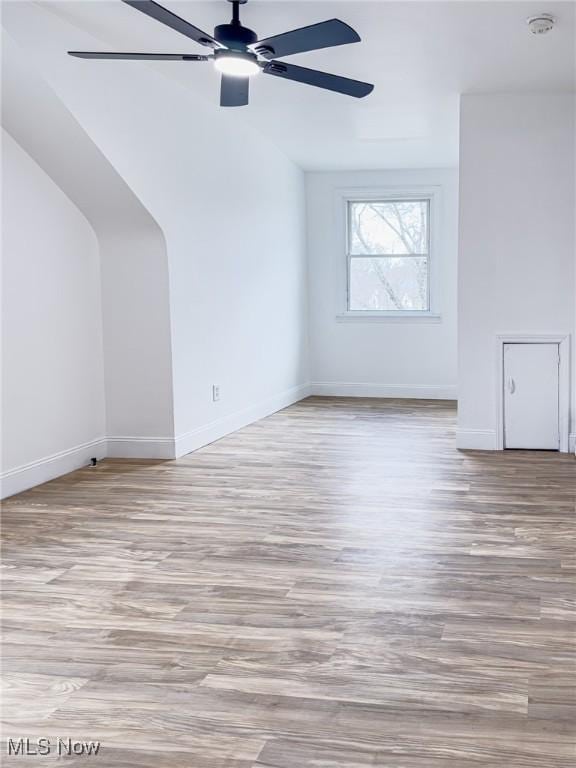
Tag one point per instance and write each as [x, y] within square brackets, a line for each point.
[343, 198]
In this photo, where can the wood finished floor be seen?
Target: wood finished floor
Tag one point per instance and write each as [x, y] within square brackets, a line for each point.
[332, 587]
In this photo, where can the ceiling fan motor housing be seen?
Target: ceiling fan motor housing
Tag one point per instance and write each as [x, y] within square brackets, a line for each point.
[235, 36]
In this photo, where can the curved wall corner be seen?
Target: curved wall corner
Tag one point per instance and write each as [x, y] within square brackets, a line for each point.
[133, 261]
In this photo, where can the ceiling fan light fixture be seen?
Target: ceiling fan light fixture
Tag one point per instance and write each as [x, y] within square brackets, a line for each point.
[236, 64]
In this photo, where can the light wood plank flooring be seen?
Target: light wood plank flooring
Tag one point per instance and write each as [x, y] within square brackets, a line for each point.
[333, 587]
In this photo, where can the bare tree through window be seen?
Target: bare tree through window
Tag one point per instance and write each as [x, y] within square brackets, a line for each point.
[388, 255]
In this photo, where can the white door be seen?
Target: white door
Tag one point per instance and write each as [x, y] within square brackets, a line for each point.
[531, 396]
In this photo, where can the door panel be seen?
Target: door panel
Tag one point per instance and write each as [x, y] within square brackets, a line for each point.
[531, 389]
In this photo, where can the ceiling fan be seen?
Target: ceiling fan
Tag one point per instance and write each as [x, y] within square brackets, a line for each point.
[238, 54]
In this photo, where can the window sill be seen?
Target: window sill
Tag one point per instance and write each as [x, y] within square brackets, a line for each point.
[388, 317]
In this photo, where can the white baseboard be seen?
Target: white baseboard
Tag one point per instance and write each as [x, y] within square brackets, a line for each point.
[126, 447]
[487, 440]
[411, 392]
[122, 447]
[197, 438]
[168, 448]
[37, 472]
[29, 475]
[477, 439]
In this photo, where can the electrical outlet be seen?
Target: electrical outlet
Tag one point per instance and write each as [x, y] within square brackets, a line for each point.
[215, 393]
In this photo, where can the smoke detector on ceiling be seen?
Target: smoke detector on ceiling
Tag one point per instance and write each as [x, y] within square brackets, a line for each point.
[541, 24]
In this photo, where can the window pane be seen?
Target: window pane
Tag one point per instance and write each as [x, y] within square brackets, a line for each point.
[392, 227]
[389, 284]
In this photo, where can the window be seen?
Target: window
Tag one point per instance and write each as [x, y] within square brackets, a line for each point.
[388, 253]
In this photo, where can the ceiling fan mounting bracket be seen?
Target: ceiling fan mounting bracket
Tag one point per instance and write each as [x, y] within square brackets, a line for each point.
[276, 66]
[264, 50]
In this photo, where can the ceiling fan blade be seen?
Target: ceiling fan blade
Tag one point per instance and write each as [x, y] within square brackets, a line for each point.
[138, 56]
[234, 91]
[320, 79]
[323, 35]
[164, 16]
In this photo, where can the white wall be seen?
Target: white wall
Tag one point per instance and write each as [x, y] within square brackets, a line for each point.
[52, 362]
[231, 208]
[134, 263]
[516, 260]
[239, 293]
[400, 358]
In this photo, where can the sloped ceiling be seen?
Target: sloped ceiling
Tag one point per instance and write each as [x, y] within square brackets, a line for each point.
[64, 149]
[420, 55]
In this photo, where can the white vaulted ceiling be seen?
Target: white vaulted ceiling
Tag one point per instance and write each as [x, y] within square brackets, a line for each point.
[420, 55]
